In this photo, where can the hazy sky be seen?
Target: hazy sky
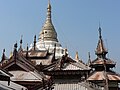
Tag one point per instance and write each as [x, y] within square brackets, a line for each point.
[76, 23]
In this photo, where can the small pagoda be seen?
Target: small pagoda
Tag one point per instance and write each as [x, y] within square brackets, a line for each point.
[102, 66]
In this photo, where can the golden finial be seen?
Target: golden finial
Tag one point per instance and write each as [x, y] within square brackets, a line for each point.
[11, 53]
[77, 56]
[49, 5]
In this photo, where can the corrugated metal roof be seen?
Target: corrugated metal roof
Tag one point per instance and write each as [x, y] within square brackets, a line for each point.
[25, 76]
[75, 66]
[102, 61]
[76, 86]
[69, 64]
[100, 75]
[12, 86]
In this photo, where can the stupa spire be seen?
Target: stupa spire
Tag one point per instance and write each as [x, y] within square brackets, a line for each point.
[49, 10]
[48, 31]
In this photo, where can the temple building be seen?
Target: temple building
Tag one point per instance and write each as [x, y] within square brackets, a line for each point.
[23, 71]
[46, 65]
[103, 73]
[69, 74]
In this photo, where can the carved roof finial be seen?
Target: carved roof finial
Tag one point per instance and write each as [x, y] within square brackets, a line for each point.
[100, 36]
[89, 59]
[100, 50]
[21, 41]
[34, 42]
[3, 50]
[27, 46]
[27, 52]
[15, 45]
[3, 56]
[15, 51]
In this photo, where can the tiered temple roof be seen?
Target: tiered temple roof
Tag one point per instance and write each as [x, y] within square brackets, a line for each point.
[102, 73]
[23, 71]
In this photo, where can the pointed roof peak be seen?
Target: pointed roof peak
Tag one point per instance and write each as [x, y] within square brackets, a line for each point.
[15, 48]
[49, 10]
[34, 42]
[4, 56]
[3, 50]
[35, 38]
[15, 51]
[21, 41]
[15, 45]
[49, 5]
[27, 47]
[100, 47]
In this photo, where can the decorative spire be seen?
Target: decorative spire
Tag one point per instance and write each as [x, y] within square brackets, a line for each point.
[11, 53]
[77, 57]
[27, 46]
[100, 50]
[34, 42]
[89, 59]
[66, 52]
[48, 28]
[100, 36]
[3, 50]
[49, 10]
[27, 52]
[21, 41]
[3, 56]
[15, 51]
[15, 46]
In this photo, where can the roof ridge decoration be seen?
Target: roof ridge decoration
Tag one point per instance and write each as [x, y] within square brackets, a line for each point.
[21, 42]
[4, 58]
[89, 59]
